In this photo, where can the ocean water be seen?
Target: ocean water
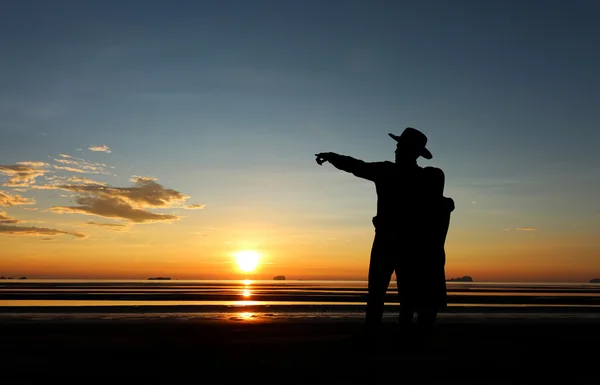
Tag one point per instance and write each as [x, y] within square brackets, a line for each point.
[247, 298]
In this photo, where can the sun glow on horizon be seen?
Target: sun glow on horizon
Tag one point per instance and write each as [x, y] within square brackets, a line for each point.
[247, 260]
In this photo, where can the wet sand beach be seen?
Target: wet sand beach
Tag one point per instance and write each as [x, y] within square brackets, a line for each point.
[495, 348]
[291, 332]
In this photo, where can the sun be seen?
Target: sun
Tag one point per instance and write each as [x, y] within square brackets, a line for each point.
[247, 260]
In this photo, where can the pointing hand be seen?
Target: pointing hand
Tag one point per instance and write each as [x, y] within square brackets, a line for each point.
[323, 157]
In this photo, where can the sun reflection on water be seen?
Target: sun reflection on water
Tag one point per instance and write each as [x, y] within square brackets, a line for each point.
[247, 316]
[246, 290]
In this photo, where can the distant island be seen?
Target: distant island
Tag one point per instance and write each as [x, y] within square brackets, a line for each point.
[3, 277]
[159, 279]
[279, 278]
[465, 278]
[595, 280]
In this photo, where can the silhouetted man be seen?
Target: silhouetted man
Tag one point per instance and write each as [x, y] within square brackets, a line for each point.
[410, 231]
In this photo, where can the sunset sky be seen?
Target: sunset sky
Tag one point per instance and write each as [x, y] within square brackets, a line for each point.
[147, 138]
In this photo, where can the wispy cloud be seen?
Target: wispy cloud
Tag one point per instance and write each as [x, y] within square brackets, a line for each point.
[112, 208]
[146, 192]
[195, 207]
[129, 203]
[6, 220]
[36, 231]
[23, 174]
[7, 199]
[76, 179]
[520, 229]
[90, 197]
[68, 168]
[103, 148]
[110, 226]
[79, 165]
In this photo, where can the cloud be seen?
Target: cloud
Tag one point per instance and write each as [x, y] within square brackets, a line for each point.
[23, 174]
[195, 207]
[525, 229]
[111, 207]
[103, 148]
[146, 193]
[68, 168]
[7, 220]
[123, 202]
[91, 197]
[33, 164]
[135, 178]
[8, 200]
[77, 179]
[35, 231]
[507, 229]
[112, 226]
[80, 165]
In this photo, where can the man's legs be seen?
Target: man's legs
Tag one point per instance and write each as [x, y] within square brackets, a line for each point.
[381, 268]
[423, 328]
[406, 328]
[406, 315]
[426, 317]
[404, 283]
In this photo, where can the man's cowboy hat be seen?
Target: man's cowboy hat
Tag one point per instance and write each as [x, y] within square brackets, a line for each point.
[413, 138]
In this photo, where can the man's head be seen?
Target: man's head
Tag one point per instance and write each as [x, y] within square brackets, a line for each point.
[411, 145]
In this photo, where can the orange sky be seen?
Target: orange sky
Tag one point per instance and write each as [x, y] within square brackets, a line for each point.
[185, 252]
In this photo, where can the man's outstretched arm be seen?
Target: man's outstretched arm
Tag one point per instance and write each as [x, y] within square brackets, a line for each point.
[349, 164]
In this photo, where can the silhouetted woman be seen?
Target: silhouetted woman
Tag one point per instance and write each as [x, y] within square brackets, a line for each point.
[420, 272]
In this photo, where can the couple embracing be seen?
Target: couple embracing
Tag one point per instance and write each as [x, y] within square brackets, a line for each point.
[411, 225]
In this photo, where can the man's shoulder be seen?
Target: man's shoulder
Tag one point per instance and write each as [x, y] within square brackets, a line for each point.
[383, 169]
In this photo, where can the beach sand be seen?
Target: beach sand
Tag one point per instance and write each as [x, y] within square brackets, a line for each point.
[296, 349]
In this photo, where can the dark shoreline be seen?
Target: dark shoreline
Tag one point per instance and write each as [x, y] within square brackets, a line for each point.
[295, 308]
[464, 298]
[461, 348]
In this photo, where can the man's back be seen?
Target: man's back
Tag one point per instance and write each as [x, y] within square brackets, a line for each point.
[403, 196]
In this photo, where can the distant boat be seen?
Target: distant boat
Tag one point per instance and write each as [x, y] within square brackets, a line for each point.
[279, 278]
[465, 278]
[595, 280]
[159, 279]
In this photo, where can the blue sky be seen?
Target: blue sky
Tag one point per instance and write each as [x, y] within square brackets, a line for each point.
[228, 101]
